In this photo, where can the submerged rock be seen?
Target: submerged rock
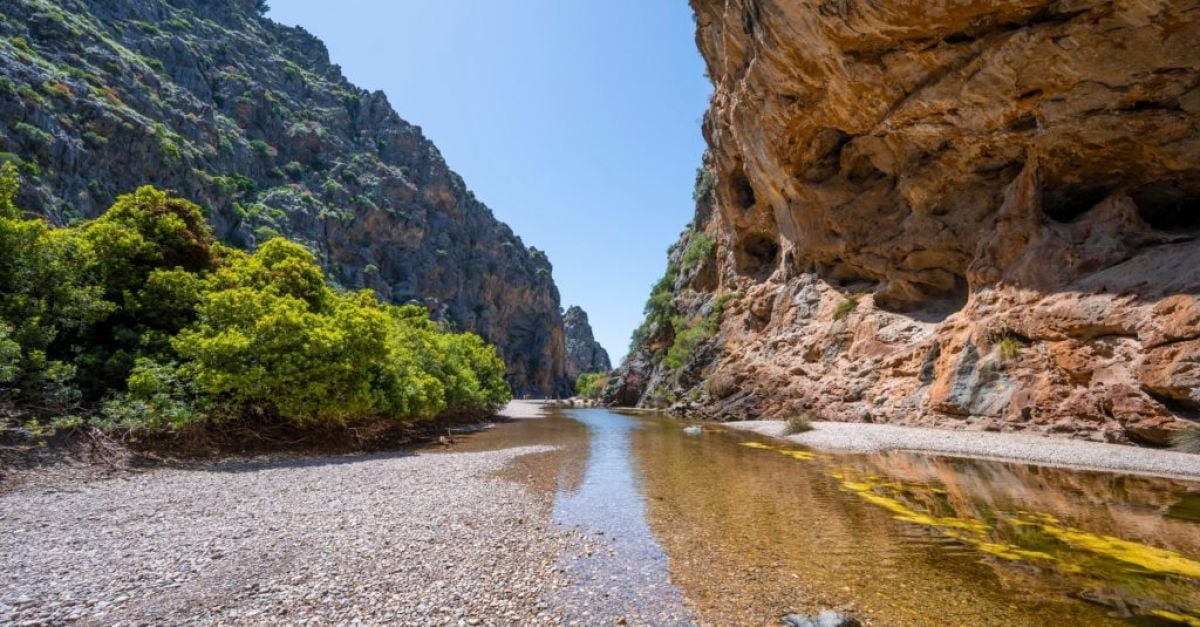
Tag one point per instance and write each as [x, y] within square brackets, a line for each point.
[828, 618]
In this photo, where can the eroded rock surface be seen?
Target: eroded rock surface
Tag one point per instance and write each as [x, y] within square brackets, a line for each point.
[979, 214]
[584, 353]
[251, 119]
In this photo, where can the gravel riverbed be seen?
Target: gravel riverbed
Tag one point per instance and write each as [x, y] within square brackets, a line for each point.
[400, 538]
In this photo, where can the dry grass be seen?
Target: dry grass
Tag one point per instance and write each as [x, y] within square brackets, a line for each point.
[1009, 347]
[797, 424]
[1187, 441]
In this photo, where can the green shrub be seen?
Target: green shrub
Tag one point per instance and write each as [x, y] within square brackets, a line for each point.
[33, 133]
[699, 251]
[140, 315]
[10, 355]
[159, 397]
[169, 142]
[659, 309]
[847, 307]
[46, 299]
[95, 139]
[62, 90]
[264, 233]
[705, 183]
[234, 183]
[591, 384]
[692, 333]
[263, 149]
[1009, 347]
[688, 337]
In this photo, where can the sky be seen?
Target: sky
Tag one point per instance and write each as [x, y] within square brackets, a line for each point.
[577, 122]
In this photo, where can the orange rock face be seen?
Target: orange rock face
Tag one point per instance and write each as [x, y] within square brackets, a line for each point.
[1007, 190]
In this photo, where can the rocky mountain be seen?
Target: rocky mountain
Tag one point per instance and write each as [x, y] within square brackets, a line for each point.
[978, 214]
[584, 353]
[251, 119]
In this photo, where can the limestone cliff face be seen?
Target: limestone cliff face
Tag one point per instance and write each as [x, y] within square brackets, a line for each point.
[584, 353]
[252, 120]
[979, 213]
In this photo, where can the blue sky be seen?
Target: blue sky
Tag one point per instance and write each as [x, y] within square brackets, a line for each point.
[577, 122]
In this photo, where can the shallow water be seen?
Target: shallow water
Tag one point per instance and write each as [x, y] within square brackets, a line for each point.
[743, 529]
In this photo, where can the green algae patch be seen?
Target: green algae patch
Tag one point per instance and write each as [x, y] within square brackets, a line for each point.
[865, 490]
[1004, 551]
[1148, 557]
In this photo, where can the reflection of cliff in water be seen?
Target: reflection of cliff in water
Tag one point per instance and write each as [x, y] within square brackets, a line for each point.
[900, 535]
[1099, 537]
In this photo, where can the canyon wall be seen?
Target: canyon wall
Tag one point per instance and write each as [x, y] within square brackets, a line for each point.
[584, 353]
[249, 118]
[978, 214]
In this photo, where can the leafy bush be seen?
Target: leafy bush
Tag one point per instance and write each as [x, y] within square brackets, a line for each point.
[10, 355]
[168, 141]
[705, 183]
[34, 133]
[140, 316]
[692, 333]
[591, 384]
[688, 337]
[699, 251]
[847, 307]
[659, 309]
[263, 149]
[159, 397]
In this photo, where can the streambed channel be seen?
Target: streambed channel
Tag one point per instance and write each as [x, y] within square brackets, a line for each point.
[725, 527]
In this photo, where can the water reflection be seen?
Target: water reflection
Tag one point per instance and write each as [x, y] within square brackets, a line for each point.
[623, 570]
[916, 539]
[749, 530]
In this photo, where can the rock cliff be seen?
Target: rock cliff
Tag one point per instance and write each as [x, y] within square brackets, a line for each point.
[584, 353]
[252, 120]
[980, 214]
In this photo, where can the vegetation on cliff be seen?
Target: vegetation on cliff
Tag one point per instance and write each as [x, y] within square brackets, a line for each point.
[591, 384]
[252, 120]
[140, 320]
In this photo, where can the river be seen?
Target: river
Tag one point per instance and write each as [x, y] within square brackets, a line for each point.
[725, 527]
